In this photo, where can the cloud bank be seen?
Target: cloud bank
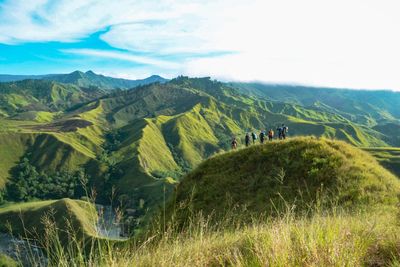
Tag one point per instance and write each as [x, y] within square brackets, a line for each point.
[345, 43]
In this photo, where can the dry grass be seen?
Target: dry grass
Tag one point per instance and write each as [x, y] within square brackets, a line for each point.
[334, 239]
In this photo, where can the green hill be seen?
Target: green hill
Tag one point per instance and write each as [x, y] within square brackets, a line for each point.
[49, 152]
[28, 218]
[300, 173]
[389, 157]
[89, 78]
[141, 141]
[6, 261]
[136, 145]
[86, 79]
[17, 98]
[361, 106]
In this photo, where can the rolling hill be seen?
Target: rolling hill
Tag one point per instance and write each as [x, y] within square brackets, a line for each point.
[134, 146]
[141, 141]
[360, 106]
[299, 174]
[27, 218]
[28, 97]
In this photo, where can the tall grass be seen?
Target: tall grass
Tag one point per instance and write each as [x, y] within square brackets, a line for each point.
[329, 238]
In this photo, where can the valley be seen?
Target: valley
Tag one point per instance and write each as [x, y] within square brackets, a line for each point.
[67, 139]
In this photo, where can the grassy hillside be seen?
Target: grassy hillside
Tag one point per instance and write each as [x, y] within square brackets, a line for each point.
[362, 106]
[29, 218]
[6, 261]
[389, 157]
[299, 173]
[165, 130]
[91, 79]
[139, 144]
[86, 79]
[48, 152]
[41, 95]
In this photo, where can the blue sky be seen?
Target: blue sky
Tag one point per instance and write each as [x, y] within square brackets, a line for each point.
[342, 43]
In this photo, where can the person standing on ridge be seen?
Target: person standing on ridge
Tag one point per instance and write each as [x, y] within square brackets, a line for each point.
[262, 136]
[254, 137]
[234, 143]
[285, 129]
[279, 130]
[270, 135]
[247, 139]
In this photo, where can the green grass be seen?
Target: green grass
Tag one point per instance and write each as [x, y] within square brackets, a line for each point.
[364, 239]
[48, 151]
[6, 261]
[323, 238]
[27, 219]
[12, 148]
[185, 121]
[332, 205]
[389, 157]
[36, 116]
[303, 172]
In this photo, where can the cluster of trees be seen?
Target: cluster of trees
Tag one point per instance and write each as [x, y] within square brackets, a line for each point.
[180, 160]
[106, 183]
[27, 184]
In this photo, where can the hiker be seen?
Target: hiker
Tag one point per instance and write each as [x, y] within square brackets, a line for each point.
[279, 130]
[254, 137]
[247, 139]
[285, 129]
[262, 137]
[234, 143]
[270, 134]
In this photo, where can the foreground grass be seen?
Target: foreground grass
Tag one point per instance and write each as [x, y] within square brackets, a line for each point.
[335, 239]
[322, 240]
[6, 261]
[27, 219]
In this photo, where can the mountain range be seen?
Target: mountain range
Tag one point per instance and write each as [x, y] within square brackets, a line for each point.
[138, 142]
[85, 79]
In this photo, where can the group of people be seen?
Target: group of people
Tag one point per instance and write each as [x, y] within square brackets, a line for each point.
[252, 137]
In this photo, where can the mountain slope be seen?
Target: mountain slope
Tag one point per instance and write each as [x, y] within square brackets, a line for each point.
[27, 218]
[360, 106]
[139, 142]
[41, 95]
[48, 152]
[86, 79]
[299, 173]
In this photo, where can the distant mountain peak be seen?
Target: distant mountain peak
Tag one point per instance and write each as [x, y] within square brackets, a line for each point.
[87, 79]
[90, 72]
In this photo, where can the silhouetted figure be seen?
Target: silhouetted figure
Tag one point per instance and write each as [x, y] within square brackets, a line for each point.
[254, 137]
[247, 139]
[234, 143]
[262, 137]
[270, 135]
[279, 130]
[285, 130]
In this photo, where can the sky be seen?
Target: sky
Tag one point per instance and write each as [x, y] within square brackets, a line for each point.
[334, 43]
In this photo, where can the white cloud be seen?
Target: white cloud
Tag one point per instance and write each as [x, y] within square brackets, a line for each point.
[123, 56]
[351, 43]
[70, 20]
